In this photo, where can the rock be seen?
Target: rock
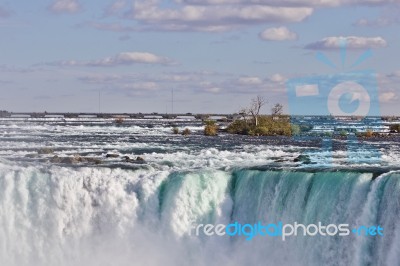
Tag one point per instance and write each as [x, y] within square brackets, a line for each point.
[140, 160]
[126, 158]
[55, 159]
[92, 160]
[45, 151]
[72, 160]
[112, 155]
[76, 159]
[31, 155]
[130, 160]
[303, 158]
[69, 160]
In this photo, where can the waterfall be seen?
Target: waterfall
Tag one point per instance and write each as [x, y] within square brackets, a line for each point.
[52, 215]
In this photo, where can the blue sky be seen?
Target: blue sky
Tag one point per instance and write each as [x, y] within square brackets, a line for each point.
[58, 55]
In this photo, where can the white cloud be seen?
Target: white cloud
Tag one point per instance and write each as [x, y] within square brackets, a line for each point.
[126, 58]
[213, 18]
[389, 89]
[116, 27]
[388, 16]
[352, 42]
[115, 7]
[217, 15]
[278, 34]
[250, 81]
[277, 78]
[142, 83]
[65, 6]
[380, 22]
[213, 89]
[130, 58]
[142, 86]
[309, 3]
[254, 84]
[196, 82]
[358, 2]
[307, 90]
[387, 97]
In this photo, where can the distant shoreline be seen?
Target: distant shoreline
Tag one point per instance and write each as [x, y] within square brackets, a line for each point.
[153, 115]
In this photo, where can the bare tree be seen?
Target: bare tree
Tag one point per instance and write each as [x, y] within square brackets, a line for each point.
[244, 112]
[255, 107]
[277, 109]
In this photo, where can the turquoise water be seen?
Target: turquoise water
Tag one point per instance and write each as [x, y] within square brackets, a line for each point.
[52, 215]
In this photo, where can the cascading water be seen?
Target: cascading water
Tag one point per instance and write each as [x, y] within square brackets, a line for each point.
[57, 215]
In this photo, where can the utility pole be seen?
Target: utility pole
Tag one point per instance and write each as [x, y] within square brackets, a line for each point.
[99, 102]
[172, 94]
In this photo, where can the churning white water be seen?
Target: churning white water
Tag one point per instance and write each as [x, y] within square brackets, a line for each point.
[100, 216]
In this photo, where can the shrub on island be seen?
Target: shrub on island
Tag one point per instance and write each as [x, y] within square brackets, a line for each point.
[186, 132]
[267, 126]
[211, 128]
[394, 128]
[119, 120]
[369, 133]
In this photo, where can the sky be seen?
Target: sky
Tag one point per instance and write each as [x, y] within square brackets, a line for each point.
[215, 55]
